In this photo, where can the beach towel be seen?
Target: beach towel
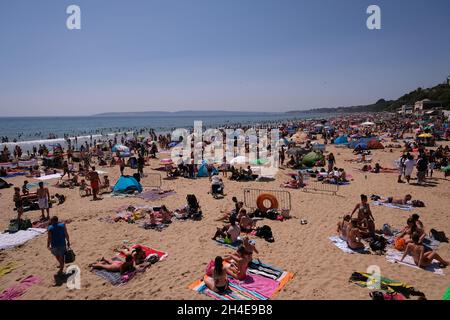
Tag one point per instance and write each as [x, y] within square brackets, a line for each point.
[391, 286]
[18, 290]
[447, 294]
[49, 177]
[115, 278]
[268, 271]
[341, 244]
[11, 240]
[155, 194]
[157, 227]
[7, 268]
[394, 256]
[15, 174]
[253, 287]
[393, 205]
[148, 251]
[234, 245]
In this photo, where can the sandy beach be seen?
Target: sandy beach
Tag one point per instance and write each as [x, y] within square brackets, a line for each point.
[321, 270]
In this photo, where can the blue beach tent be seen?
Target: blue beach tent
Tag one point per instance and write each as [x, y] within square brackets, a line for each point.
[126, 184]
[203, 170]
[341, 140]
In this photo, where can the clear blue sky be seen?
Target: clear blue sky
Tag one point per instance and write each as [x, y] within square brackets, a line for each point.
[252, 55]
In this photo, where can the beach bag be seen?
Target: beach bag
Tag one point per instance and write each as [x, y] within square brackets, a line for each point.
[265, 232]
[418, 203]
[378, 243]
[387, 230]
[438, 235]
[400, 244]
[271, 214]
[69, 256]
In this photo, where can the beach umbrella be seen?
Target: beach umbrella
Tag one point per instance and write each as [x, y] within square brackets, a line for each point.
[166, 161]
[259, 162]
[368, 123]
[120, 148]
[239, 160]
[425, 135]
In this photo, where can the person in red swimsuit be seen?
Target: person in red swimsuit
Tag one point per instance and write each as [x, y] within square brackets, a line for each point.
[94, 178]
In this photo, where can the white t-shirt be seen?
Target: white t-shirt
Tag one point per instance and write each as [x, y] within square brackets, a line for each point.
[215, 180]
[409, 166]
[234, 232]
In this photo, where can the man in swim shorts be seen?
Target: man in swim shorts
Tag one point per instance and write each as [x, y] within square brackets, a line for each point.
[43, 200]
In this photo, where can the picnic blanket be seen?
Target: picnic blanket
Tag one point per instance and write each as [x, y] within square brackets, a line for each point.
[11, 240]
[394, 256]
[7, 268]
[253, 287]
[342, 244]
[18, 290]
[393, 205]
[117, 279]
[155, 194]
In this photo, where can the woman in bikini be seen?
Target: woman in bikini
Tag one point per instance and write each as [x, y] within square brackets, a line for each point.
[421, 257]
[115, 265]
[354, 236]
[363, 209]
[409, 230]
[219, 280]
[239, 262]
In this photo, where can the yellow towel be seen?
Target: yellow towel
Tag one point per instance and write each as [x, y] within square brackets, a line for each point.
[10, 266]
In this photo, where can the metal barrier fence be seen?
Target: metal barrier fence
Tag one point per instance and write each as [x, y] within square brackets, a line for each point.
[153, 180]
[251, 196]
[320, 186]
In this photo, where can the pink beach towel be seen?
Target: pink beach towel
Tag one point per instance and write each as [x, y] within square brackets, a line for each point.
[258, 283]
[17, 291]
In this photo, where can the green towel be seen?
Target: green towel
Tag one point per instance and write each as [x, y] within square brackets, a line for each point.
[447, 294]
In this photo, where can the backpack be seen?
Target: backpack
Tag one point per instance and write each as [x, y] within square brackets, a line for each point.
[271, 214]
[439, 235]
[265, 232]
[418, 203]
[378, 243]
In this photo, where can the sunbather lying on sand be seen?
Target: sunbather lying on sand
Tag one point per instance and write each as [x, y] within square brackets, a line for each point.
[295, 183]
[219, 280]
[421, 257]
[115, 266]
[136, 253]
[402, 201]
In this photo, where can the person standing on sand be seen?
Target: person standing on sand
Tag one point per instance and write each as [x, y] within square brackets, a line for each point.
[56, 241]
[140, 165]
[94, 178]
[43, 200]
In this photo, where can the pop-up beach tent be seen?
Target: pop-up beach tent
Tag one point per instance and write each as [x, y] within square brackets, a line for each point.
[311, 159]
[203, 170]
[341, 140]
[127, 184]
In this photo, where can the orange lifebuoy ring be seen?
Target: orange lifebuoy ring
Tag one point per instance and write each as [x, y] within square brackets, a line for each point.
[269, 197]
